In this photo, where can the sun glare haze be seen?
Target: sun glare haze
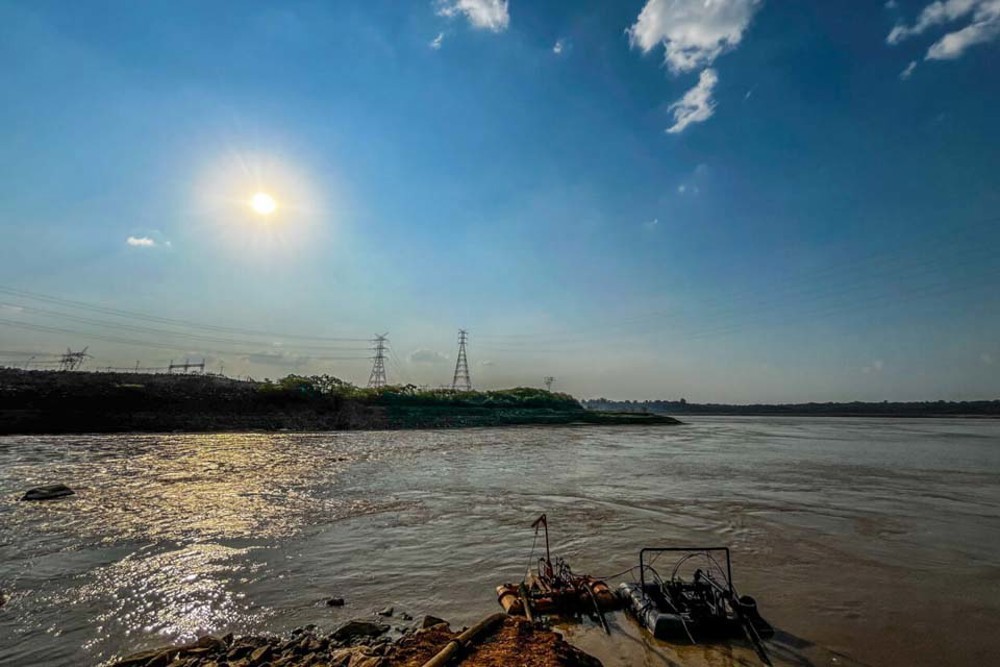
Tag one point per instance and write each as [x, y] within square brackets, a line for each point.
[263, 203]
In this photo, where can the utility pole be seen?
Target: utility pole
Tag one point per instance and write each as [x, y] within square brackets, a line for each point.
[377, 378]
[462, 381]
[548, 382]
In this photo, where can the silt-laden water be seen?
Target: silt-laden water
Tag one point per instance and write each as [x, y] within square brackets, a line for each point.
[865, 541]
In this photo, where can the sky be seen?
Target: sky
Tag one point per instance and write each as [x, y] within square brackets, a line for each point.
[721, 200]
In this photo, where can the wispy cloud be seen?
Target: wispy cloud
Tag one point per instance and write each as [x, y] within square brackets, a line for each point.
[140, 242]
[983, 26]
[559, 46]
[437, 41]
[491, 15]
[424, 356]
[651, 224]
[697, 105]
[908, 71]
[693, 34]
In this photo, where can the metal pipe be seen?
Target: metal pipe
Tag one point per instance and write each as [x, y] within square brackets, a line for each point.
[464, 640]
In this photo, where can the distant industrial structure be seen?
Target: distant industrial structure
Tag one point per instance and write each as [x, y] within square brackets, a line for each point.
[548, 382]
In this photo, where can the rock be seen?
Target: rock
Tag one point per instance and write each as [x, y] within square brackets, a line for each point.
[357, 629]
[430, 621]
[386, 612]
[335, 602]
[260, 655]
[48, 492]
[405, 617]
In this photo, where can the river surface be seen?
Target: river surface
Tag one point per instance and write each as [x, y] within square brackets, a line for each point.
[865, 541]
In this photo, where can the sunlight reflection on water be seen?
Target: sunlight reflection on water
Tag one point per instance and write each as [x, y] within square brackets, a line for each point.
[850, 532]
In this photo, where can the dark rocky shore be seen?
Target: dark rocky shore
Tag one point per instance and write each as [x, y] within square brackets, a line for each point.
[82, 402]
[369, 643]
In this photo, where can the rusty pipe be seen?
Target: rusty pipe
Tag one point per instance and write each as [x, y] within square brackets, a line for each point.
[463, 640]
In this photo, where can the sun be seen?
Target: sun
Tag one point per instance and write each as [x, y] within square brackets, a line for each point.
[263, 203]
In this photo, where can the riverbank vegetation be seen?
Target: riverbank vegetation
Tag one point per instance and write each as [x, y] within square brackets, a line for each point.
[77, 402]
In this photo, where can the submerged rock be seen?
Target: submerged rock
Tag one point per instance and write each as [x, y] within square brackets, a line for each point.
[388, 611]
[48, 492]
[335, 602]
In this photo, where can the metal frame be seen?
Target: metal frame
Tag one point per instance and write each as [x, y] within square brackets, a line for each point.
[642, 564]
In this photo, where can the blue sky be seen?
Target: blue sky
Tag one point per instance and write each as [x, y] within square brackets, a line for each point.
[728, 201]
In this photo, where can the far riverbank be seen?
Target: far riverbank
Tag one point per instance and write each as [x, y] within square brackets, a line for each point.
[39, 402]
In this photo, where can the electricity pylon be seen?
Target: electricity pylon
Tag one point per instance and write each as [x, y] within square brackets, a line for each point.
[462, 381]
[377, 379]
[548, 383]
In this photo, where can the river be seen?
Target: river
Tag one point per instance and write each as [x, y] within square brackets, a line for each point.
[865, 541]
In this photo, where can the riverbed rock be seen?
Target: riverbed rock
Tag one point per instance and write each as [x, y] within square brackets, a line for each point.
[48, 492]
[335, 602]
[430, 621]
[388, 611]
[403, 616]
[358, 629]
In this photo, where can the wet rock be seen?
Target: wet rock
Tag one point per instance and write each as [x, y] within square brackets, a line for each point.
[335, 602]
[405, 617]
[358, 629]
[48, 492]
[430, 621]
[386, 612]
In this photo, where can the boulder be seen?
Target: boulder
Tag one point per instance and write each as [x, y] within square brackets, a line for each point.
[357, 629]
[48, 492]
[430, 621]
[335, 602]
[386, 612]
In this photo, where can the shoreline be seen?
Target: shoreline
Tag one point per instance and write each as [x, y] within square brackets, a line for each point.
[378, 642]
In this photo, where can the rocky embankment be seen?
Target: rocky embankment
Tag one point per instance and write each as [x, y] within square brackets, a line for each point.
[370, 643]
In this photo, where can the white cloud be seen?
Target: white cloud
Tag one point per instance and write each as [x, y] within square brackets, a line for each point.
[423, 356]
[10, 308]
[559, 46]
[487, 363]
[651, 224]
[908, 72]
[697, 105]
[437, 41]
[482, 14]
[983, 26]
[693, 32]
[891, 4]
[140, 242]
[954, 44]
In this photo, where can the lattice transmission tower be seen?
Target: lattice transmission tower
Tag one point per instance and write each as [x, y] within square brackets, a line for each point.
[377, 379]
[548, 382]
[462, 381]
[72, 361]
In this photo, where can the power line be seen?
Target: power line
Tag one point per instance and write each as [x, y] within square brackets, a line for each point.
[152, 345]
[128, 314]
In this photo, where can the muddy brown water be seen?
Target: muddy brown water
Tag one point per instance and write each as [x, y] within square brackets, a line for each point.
[865, 541]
